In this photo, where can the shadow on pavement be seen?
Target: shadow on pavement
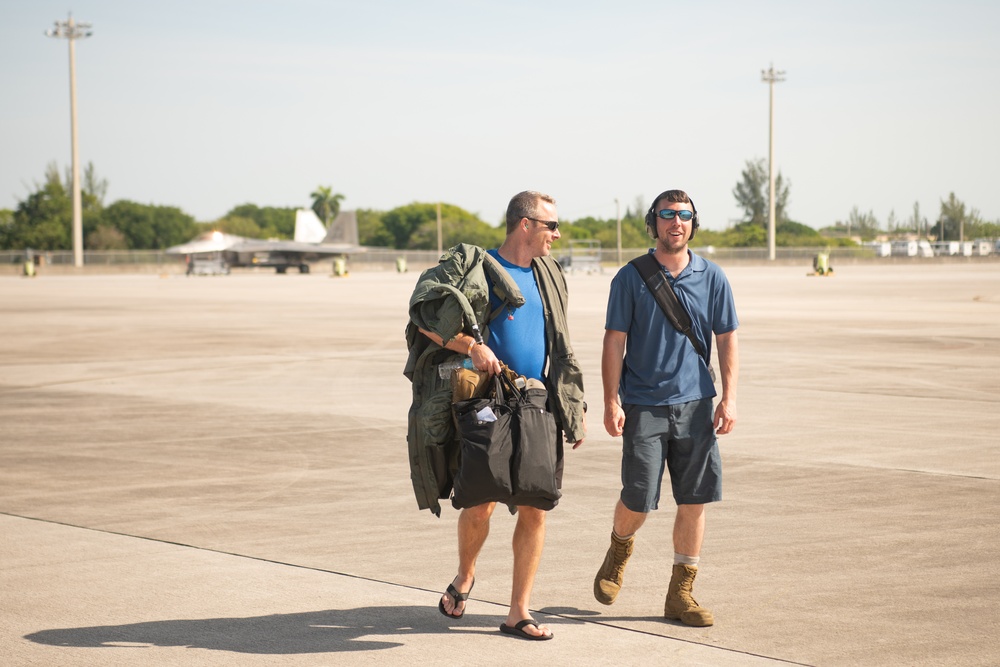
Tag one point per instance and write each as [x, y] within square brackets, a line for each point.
[335, 630]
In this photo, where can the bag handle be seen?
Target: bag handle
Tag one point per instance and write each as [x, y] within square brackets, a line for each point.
[498, 395]
[504, 375]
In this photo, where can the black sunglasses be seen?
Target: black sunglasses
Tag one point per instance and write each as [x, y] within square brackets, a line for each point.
[553, 225]
[668, 214]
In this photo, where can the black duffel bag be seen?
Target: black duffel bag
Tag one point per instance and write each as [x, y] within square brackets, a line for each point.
[509, 448]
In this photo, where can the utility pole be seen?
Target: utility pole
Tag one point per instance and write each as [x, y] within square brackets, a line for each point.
[72, 31]
[618, 214]
[771, 77]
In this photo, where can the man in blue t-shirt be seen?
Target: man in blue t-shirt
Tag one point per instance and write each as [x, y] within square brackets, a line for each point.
[521, 339]
[658, 395]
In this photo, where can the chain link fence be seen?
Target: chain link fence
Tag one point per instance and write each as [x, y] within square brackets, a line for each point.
[388, 259]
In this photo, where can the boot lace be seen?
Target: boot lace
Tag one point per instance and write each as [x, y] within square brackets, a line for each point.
[622, 551]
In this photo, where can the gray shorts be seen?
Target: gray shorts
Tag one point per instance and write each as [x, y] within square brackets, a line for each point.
[679, 438]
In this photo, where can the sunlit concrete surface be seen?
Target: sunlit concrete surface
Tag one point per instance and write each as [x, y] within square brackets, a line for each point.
[213, 471]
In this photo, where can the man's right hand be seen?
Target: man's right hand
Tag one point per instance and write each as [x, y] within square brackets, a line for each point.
[614, 419]
[483, 359]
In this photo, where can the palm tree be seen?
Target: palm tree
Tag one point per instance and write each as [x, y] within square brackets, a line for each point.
[326, 203]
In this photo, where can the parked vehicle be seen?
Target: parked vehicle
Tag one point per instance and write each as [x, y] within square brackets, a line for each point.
[881, 248]
[981, 247]
[912, 249]
[212, 265]
[946, 247]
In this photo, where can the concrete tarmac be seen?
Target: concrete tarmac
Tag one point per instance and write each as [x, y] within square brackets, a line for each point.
[213, 471]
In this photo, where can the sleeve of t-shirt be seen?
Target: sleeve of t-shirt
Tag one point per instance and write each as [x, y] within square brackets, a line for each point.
[620, 303]
[724, 318]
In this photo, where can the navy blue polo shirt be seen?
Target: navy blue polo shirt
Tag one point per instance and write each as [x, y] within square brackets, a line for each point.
[661, 366]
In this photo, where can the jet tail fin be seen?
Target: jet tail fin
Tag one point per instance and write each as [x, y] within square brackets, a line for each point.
[308, 227]
[343, 229]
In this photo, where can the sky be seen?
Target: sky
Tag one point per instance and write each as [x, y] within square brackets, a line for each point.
[211, 104]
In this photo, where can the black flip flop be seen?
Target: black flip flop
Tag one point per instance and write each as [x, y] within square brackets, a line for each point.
[457, 597]
[518, 631]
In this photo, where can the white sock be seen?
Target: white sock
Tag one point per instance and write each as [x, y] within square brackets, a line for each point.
[686, 560]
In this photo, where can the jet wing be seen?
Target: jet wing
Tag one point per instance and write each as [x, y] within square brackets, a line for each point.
[296, 247]
[207, 242]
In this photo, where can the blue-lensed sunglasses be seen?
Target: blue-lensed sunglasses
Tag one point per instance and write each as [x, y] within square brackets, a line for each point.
[669, 213]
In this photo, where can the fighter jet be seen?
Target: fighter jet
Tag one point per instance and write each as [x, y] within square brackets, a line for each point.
[311, 242]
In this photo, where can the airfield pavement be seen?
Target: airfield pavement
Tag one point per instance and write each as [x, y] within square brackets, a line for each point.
[213, 471]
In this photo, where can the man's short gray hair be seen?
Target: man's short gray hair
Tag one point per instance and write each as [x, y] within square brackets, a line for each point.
[525, 205]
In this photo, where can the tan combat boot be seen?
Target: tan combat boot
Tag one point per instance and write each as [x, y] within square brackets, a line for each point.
[608, 581]
[680, 606]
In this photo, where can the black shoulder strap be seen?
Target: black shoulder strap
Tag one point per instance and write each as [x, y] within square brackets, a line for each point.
[656, 280]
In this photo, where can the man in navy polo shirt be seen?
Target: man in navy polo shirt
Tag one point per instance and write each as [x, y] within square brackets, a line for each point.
[658, 395]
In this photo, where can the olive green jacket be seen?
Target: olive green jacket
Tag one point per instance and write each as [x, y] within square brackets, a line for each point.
[448, 299]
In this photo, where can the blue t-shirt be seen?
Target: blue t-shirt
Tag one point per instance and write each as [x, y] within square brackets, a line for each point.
[517, 336]
[661, 365]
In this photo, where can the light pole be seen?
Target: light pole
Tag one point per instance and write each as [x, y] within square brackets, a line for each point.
[72, 31]
[771, 77]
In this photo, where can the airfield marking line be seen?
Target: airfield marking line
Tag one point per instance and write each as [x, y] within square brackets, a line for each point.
[394, 584]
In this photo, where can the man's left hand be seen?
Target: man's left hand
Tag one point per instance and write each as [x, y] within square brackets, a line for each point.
[580, 441]
[725, 417]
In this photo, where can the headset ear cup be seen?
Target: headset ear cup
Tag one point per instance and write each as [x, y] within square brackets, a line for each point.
[695, 223]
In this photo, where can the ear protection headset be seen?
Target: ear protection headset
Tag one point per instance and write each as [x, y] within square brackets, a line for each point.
[651, 215]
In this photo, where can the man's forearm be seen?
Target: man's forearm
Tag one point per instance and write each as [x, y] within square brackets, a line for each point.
[612, 360]
[460, 343]
[729, 364]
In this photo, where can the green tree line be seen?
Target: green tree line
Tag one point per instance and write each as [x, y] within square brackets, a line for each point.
[955, 222]
[43, 221]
